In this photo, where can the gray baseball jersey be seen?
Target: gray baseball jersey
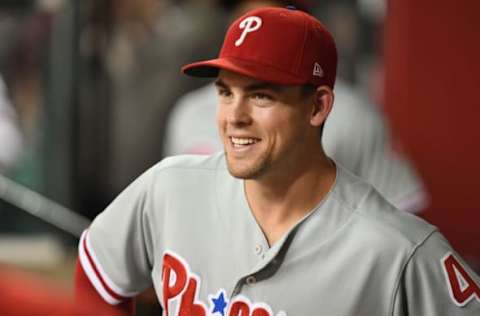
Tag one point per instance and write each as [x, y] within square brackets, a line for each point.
[186, 227]
[355, 135]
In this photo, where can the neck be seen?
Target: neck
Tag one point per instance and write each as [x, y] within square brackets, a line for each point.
[280, 199]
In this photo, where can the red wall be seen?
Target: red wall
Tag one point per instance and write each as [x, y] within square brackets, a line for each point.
[432, 99]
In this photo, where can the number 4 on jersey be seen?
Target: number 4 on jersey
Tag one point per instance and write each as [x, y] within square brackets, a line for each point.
[461, 285]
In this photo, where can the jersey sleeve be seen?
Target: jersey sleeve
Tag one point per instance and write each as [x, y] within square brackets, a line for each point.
[116, 250]
[436, 281]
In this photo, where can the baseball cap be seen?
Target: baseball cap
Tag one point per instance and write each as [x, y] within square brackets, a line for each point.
[277, 45]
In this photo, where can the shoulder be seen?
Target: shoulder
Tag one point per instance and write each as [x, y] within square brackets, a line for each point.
[381, 216]
[185, 170]
[379, 221]
[190, 163]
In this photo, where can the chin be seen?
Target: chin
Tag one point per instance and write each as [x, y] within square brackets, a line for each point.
[245, 170]
[241, 174]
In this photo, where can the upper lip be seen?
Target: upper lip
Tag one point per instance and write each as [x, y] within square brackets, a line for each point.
[242, 136]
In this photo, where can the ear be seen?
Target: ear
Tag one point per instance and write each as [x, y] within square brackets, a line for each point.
[322, 105]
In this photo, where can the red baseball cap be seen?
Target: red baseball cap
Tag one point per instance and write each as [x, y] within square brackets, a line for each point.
[277, 45]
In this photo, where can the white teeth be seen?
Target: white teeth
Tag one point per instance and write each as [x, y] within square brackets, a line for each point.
[242, 141]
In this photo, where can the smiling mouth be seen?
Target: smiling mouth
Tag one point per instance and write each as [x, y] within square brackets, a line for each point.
[239, 142]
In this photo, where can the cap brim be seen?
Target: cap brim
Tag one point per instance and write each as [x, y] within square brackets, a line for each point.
[210, 69]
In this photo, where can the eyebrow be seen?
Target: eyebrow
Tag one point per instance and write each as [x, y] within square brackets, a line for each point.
[220, 84]
[254, 86]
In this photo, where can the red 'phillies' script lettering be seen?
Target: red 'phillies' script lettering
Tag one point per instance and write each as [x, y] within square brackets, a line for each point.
[187, 306]
[460, 296]
[239, 309]
[260, 312]
[172, 290]
[184, 285]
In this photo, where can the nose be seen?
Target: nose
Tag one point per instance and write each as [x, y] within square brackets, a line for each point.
[239, 113]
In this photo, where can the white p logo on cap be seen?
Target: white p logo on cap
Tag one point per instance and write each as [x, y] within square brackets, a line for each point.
[249, 24]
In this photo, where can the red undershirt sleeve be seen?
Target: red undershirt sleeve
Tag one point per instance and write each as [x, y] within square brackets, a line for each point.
[85, 292]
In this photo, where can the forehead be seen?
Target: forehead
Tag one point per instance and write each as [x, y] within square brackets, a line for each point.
[230, 79]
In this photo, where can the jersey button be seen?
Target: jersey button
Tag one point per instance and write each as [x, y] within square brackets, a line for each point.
[258, 249]
[251, 280]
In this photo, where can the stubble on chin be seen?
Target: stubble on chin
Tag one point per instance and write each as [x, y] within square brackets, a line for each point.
[246, 170]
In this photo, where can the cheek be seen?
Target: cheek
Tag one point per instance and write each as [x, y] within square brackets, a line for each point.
[285, 125]
[291, 134]
[220, 118]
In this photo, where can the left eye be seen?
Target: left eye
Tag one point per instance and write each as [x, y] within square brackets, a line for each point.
[261, 96]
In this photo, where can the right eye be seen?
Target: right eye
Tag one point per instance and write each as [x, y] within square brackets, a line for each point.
[223, 92]
[224, 96]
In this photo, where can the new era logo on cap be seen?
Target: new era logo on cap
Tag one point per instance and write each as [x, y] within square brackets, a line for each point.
[317, 70]
[275, 45]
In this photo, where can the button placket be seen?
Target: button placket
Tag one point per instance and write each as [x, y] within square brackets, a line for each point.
[258, 249]
[251, 280]
[272, 259]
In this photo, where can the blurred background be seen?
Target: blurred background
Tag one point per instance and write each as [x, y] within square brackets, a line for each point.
[87, 89]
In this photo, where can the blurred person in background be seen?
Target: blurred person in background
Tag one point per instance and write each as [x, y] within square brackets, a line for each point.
[110, 92]
[113, 76]
[11, 139]
[25, 76]
[356, 134]
[27, 242]
[26, 30]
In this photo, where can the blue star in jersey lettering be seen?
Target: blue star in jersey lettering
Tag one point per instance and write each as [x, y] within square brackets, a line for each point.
[219, 303]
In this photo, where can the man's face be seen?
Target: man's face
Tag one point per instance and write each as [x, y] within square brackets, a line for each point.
[263, 126]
